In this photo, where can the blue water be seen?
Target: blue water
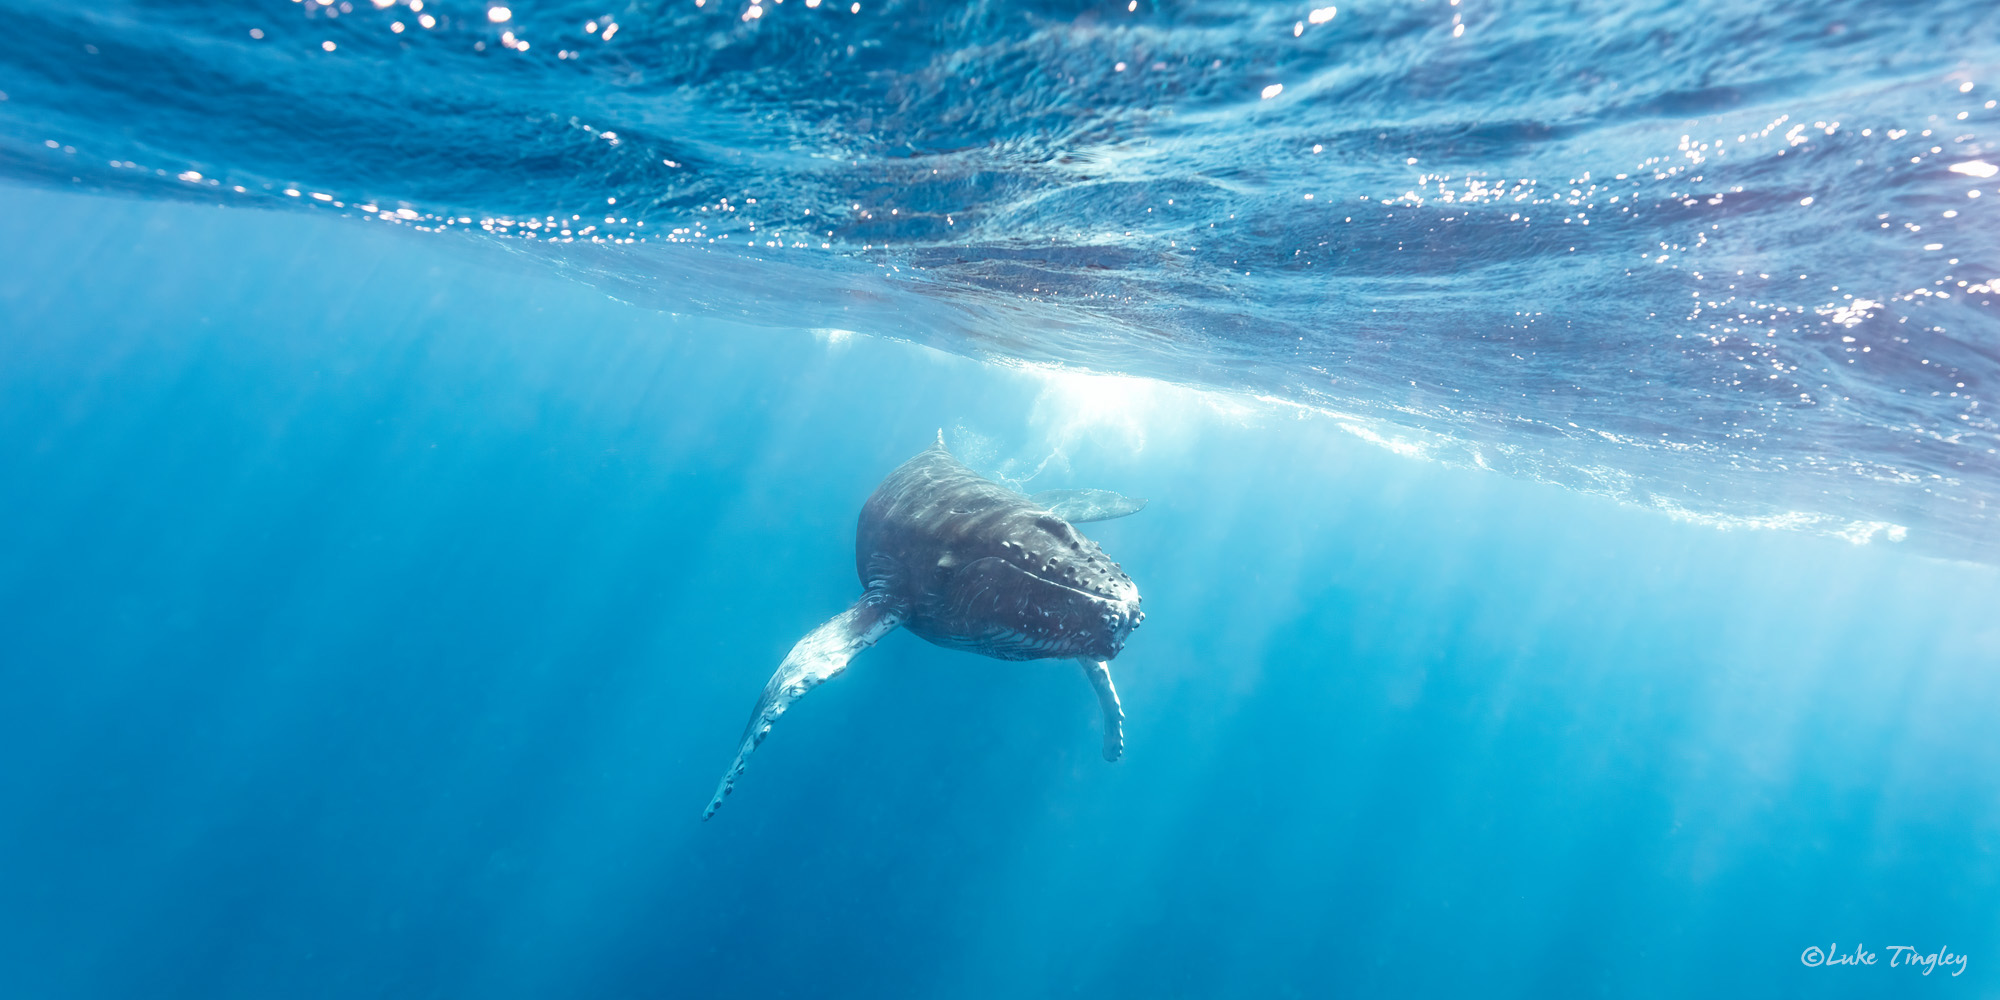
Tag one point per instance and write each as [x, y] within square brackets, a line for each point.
[382, 595]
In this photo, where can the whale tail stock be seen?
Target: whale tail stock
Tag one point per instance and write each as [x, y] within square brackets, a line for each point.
[814, 660]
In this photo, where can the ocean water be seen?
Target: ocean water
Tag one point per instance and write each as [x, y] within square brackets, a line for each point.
[1570, 565]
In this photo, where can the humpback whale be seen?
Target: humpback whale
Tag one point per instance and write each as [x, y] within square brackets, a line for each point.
[967, 563]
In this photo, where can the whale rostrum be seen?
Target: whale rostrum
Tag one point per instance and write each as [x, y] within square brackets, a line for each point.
[967, 563]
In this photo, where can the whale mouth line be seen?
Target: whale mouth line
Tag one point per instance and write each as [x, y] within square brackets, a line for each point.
[1058, 583]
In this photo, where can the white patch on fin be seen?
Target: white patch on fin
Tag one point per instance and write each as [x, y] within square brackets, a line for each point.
[814, 660]
[1099, 674]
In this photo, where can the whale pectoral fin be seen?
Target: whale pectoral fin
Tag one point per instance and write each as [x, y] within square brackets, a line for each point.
[815, 659]
[1080, 506]
[1099, 674]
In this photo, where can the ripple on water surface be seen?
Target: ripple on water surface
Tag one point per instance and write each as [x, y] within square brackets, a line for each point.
[1733, 262]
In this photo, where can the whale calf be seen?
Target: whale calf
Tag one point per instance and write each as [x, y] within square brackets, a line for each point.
[967, 563]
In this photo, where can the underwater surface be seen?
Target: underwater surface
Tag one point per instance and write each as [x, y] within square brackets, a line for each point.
[1722, 258]
[1570, 563]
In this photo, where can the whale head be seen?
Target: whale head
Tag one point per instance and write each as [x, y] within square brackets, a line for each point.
[1042, 590]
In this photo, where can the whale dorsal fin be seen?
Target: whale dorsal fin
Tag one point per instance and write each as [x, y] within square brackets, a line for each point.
[1080, 506]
